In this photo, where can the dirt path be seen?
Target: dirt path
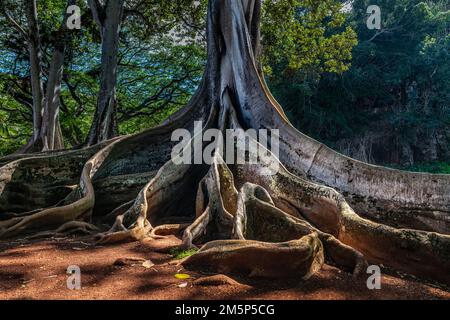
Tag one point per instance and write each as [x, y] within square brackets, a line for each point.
[37, 270]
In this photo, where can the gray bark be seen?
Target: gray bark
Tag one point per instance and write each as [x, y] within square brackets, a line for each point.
[50, 134]
[51, 131]
[109, 18]
[37, 88]
[46, 127]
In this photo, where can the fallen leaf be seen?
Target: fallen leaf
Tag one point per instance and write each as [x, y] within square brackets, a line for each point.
[148, 264]
[182, 276]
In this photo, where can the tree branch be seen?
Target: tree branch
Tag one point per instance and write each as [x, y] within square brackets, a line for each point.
[15, 24]
[97, 10]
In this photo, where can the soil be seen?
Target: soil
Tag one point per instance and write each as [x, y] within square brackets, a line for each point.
[37, 270]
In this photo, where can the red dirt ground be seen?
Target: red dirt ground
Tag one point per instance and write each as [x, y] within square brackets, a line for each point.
[37, 270]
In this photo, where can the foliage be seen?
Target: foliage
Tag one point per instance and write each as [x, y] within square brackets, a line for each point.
[156, 82]
[307, 34]
[13, 128]
[398, 83]
[431, 167]
[179, 254]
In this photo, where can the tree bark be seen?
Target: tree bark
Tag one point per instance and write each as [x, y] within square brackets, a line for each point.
[37, 88]
[47, 133]
[51, 134]
[109, 19]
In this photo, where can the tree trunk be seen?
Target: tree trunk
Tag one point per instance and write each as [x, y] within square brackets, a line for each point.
[51, 134]
[109, 19]
[246, 221]
[47, 133]
[37, 88]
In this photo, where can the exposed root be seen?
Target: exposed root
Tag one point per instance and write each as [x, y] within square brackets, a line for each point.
[418, 252]
[297, 258]
[80, 209]
[259, 219]
[165, 230]
[215, 280]
[41, 181]
[135, 223]
[216, 220]
[69, 228]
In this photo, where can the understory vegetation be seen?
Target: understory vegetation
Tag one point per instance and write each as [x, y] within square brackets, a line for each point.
[179, 254]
